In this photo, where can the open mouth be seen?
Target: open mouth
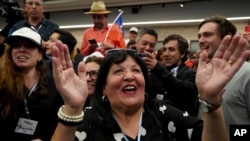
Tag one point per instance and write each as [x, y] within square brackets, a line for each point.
[129, 89]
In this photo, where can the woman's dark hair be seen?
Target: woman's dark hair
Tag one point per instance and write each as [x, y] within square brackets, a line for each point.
[67, 38]
[116, 57]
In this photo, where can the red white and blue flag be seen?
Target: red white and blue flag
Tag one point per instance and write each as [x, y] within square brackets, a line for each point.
[119, 22]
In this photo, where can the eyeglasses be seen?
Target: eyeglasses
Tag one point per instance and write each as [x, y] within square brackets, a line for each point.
[34, 3]
[92, 74]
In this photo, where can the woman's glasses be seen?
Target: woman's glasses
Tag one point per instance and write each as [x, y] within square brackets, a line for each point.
[92, 74]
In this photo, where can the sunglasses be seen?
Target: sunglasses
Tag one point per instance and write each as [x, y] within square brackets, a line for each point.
[111, 51]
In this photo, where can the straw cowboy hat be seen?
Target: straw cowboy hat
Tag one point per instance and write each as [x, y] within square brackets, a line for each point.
[98, 8]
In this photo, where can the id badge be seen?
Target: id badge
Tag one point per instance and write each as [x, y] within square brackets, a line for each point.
[159, 96]
[26, 126]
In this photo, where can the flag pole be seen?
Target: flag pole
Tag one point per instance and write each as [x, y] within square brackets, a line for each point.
[121, 12]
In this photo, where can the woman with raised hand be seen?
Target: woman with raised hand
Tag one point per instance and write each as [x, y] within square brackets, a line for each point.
[122, 110]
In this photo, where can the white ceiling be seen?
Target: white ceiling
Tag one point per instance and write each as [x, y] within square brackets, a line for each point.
[64, 5]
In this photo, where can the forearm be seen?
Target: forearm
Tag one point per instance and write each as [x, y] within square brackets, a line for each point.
[214, 128]
[64, 133]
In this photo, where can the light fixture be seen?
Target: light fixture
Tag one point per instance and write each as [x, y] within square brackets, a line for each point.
[182, 4]
[155, 22]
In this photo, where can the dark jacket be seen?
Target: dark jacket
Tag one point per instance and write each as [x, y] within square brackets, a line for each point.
[160, 122]
[45, 28]
[42, 108]
[180, 91]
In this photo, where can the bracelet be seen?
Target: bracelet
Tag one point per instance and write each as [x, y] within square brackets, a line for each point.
[209, 107]
[69, 120]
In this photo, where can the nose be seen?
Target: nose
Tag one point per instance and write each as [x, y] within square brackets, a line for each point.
[165, 53]
[22, 48]
[129, 76]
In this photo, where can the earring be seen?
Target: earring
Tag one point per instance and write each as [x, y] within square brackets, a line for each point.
[146, 96]
[104, 98]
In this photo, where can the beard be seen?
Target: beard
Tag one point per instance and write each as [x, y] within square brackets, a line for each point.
[99, 25]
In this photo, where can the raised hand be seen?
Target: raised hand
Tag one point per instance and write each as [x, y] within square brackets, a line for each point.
[72, 87]
[212, 76]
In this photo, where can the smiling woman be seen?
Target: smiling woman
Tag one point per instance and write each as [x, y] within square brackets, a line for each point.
[28, 98]
[121, 109]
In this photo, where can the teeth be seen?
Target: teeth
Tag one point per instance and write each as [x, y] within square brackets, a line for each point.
[129, 88]
[22, 57]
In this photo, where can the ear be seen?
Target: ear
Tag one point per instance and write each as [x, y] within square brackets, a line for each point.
[40, 56]
[182, 55]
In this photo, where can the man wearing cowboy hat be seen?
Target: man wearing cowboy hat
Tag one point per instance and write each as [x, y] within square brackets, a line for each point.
[107, 37]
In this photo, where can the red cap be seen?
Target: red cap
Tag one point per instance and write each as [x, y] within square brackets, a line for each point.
[247, 28]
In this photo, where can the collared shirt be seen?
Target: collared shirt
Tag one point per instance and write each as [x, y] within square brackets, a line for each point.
[45, 28]
[115, 37]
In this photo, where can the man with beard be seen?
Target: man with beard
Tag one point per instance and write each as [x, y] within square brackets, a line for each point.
[33, 11]
[101, 37]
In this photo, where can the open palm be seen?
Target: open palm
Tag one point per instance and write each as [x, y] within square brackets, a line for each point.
[72, 87]
[213, 76]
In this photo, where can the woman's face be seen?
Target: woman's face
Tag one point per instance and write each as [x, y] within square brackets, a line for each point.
[92, 71]
[51, 42]
[25, 55]
[125, 85]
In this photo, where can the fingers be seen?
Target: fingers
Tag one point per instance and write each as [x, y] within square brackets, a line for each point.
[233, 50]
[56, 62]
[203, 59]
[239, 55]
[223, 47]
[81, 71]
[65, 58]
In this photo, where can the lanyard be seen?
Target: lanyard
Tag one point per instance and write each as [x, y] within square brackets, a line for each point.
[25, 101]
[36, 29]
[139, 132]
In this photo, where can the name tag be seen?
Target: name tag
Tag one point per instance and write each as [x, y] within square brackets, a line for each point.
[159, 96]
[26, 126]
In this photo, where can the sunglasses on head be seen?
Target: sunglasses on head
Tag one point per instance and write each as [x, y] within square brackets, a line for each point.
[111, 51]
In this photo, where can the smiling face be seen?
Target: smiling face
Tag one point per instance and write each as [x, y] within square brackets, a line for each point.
[125, 85]
[99, 20]
[171, 53]
[51, 42]
[146, 43]
[92, 69]
[209, 38]
[25, 54]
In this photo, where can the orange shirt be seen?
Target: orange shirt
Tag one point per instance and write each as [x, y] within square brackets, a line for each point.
[115, 37]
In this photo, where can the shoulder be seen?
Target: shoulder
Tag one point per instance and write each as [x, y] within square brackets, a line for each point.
[244, 71]
[49, 22]
[245, 66]
[19, 24]
[90, 29]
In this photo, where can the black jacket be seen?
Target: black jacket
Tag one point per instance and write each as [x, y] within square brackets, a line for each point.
[180, 91]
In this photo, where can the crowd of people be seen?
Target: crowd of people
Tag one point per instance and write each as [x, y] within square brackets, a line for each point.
[116, 89]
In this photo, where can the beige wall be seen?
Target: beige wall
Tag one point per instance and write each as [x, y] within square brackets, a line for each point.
[187, 31]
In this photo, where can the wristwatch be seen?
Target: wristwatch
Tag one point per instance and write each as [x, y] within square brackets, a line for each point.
[208, 107]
